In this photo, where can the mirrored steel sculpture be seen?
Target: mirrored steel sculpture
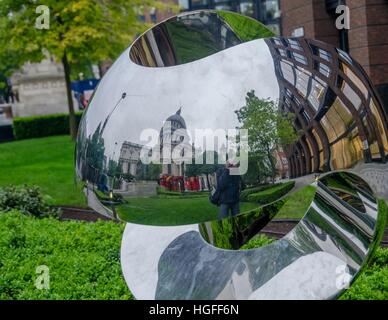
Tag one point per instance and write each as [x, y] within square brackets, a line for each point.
[178, 112]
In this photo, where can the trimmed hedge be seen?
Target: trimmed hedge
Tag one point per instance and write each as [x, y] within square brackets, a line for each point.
[165, 193]
[43, 126]
[271, 194]
[245, 193]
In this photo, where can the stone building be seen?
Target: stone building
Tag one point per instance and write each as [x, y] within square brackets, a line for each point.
[130, 157]
[170, 138]
[40, 89]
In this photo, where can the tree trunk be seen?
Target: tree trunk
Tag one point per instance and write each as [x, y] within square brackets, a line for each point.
[273, 165]
[72, 120]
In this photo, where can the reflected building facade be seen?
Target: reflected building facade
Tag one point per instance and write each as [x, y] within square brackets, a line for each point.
[337, 113]
[129, 160]
[172, 134]
[210, 33]
[266, 11]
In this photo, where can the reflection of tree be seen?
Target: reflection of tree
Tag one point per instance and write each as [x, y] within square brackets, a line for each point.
[268, 129]
[95, 149]
[149, 171]
[257, 172]
[199, 36]
[114, 170]
[247, 29]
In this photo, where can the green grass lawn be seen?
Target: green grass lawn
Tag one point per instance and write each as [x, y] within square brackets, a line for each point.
[172, 210]
[297, 203]
[45, 162]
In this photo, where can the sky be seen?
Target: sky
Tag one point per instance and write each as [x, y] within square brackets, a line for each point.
[209, 90]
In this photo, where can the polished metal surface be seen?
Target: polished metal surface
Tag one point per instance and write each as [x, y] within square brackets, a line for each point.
[170, 118]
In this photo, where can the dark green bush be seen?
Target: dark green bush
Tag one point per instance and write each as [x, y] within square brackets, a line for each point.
[372, 284]
[246, 192]
[27, 200]
[42, 126]
[165, 193]
[257, 242]
[271, 194]
[83, 258]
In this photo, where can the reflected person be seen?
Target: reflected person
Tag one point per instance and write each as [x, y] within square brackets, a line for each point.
[229, 187]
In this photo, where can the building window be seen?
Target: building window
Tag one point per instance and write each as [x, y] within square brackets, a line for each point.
[247, 9]
[355, 79]
[271, 9]
[277, 41]
[300, 58]
[321, 53]
[346, 152]
[306, 116]
[302, 81]
[294, 44]
[351, 95]
[322, 68]
[379, 125]
[316, 93]
[317, 139]
[282, 52]
[287, 72]
[371, 137]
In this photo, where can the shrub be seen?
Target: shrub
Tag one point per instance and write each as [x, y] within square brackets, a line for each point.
[256, 242]
[83, 258]
[42, 126]
[271, 194]
[372, 284]
[28, 200]
[165, 193]
[245, 193]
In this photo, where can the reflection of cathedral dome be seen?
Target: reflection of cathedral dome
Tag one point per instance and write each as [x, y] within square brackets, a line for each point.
[172, 134]
[177, 120]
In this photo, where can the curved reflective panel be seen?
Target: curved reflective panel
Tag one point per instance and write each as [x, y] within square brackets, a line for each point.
[200, 132]
[192, 36]
[316, 260]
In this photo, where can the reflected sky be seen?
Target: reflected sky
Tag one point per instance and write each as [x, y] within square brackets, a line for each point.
[208, 103]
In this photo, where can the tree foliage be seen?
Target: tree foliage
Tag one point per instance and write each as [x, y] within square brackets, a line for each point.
[268, 129]
[86, 30]
[80, 31]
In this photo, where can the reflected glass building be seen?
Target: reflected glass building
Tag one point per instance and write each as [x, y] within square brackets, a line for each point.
[266, 11]
[336, 109]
